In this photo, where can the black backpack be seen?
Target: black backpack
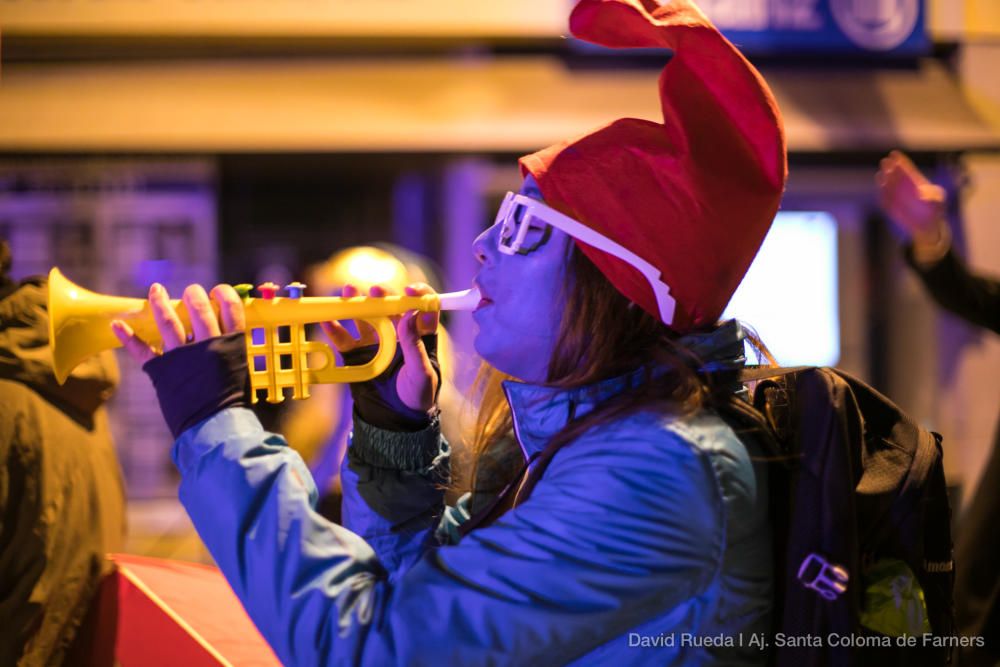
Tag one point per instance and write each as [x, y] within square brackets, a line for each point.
[855, 484]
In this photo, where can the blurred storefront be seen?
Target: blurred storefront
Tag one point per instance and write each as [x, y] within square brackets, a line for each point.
[244, 140]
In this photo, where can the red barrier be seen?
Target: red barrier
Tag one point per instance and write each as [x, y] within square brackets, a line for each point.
[169, 613]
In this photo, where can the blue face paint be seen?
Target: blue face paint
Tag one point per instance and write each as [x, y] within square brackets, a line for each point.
[523, 300]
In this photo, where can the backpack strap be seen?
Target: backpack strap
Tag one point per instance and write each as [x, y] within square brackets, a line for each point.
[757, 373]
[755, 418]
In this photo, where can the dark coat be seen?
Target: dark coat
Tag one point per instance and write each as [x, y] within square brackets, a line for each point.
[61, 491]
[973, 298]
[977, 545]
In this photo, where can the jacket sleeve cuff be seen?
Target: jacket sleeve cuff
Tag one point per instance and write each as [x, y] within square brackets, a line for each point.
[194, 382]
[377, 399]
[924, 259]
[395, 450]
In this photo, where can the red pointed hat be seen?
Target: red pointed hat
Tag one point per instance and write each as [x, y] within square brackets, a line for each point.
[695, 195]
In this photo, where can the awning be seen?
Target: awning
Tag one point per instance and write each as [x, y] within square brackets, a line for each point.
[436, 104]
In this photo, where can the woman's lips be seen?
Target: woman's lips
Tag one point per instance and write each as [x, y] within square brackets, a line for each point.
[483, 303]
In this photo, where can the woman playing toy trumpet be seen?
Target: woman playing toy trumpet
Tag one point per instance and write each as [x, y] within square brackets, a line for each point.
[631, 526]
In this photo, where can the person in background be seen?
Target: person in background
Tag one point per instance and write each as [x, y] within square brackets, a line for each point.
[918, 209]
[62, 500]
[318, 429]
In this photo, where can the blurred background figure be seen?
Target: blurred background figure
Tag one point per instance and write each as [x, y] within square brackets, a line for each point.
[62, 500]
[918, 209]
[319, 428]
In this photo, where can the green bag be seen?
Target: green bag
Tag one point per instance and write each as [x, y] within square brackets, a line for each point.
[894, 601]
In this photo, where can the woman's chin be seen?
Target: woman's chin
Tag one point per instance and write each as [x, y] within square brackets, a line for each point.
[490, 351]
[483, 347]
[521, 357]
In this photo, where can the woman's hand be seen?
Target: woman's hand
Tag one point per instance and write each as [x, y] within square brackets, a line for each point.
[417, 381]
[204, 321]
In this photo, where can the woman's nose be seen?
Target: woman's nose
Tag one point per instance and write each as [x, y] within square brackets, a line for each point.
[484, 245]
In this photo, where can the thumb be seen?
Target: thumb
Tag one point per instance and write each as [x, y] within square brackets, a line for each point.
[416, 381]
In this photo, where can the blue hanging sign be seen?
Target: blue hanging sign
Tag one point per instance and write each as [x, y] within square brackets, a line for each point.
[879, 27]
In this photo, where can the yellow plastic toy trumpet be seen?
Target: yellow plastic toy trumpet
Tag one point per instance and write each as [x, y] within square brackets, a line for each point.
[80, 327]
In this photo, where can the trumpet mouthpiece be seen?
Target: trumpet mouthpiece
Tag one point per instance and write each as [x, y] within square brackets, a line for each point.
[465, 300]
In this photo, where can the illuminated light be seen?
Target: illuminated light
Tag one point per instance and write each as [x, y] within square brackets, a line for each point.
[372, 268]
[790, 295]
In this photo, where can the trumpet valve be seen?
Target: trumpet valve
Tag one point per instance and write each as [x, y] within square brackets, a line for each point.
[295, 290]
[267, 290]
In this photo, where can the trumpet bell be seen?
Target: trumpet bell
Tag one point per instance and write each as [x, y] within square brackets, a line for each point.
[80, 322]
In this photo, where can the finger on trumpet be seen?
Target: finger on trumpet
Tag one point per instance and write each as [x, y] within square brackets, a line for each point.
[230, 308]
[427, 323]
[341, 332]
[169, 325]
[204, 321]
[136, 348]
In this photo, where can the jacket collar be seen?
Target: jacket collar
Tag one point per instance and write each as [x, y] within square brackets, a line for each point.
[540, 411]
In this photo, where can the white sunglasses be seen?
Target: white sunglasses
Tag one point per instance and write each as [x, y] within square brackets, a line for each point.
[516, 214]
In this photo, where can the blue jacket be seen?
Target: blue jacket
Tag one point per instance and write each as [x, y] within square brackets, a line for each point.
[646, 543]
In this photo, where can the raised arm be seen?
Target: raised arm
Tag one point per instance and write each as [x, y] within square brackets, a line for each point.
[917, 209]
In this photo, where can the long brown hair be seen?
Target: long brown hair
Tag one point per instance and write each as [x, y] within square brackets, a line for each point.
[602, 335]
